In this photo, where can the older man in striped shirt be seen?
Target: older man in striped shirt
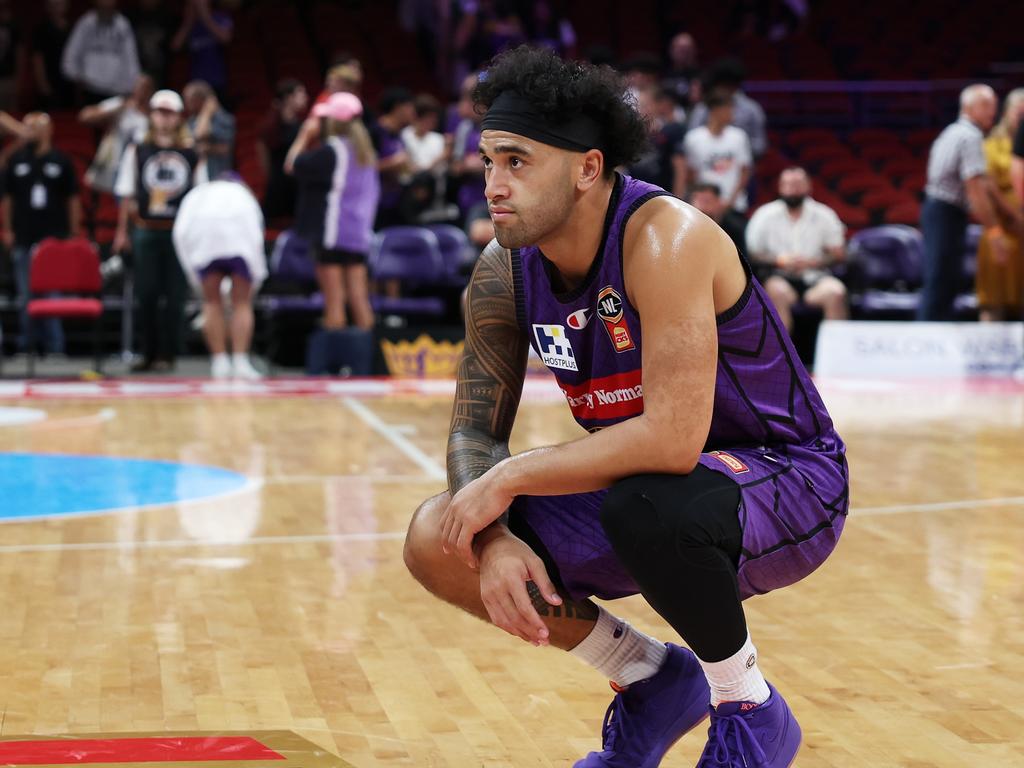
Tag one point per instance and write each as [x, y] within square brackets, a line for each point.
[957, 183]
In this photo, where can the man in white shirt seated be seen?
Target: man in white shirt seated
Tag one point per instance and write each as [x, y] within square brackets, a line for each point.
[795, 239]
[718, 153]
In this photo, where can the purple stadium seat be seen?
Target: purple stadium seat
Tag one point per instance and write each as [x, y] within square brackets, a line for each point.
[292, 268]
[456, 251]
[888, 262]
[413, 256]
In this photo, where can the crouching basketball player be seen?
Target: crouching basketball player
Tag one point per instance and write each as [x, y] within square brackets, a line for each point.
[711, 471]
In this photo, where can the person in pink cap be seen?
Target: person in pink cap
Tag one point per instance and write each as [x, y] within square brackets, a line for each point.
[338, 192]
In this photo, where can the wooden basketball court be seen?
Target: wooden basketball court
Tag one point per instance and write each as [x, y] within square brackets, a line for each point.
[284, 605]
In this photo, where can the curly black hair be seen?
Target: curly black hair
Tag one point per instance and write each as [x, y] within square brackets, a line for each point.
[557, 88]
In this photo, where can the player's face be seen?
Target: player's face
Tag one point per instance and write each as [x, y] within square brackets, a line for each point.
[529, 191]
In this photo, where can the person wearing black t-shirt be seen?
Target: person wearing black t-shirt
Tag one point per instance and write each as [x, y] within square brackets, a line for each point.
[40, 200]
[153, 178]
[48, 40]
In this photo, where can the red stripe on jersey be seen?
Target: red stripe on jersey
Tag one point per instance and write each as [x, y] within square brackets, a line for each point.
[620, 396]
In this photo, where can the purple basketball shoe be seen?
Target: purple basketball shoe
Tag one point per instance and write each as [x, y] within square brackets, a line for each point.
[746, 735]
[647, 718]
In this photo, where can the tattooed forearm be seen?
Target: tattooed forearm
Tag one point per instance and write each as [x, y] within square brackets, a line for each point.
[490, 377]
[569, 609]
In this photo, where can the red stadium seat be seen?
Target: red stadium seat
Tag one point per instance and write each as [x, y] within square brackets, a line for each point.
[66, 267]
[908, 212]
[835, 169]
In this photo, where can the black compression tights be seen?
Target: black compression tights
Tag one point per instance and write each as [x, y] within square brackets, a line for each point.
[679, 537]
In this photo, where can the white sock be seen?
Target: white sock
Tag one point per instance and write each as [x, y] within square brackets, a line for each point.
[240, 358]
[619, 652]
[736, 678]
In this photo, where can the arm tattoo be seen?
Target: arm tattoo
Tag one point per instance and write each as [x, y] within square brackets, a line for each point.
[584, 610]
[491, 372]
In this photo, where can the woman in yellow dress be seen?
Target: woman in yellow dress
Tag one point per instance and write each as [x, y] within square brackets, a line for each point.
[1000, 282]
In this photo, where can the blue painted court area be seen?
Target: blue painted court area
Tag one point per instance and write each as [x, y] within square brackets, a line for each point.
[42, 484]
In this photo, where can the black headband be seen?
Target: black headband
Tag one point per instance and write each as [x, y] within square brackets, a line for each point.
[511, 112]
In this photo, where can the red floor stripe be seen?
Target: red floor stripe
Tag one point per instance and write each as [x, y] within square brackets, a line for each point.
[134, 750]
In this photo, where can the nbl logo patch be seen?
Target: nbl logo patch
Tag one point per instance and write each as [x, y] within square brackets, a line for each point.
[554, 347]
[609, 309]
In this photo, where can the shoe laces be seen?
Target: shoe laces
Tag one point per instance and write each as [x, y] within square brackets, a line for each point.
[729, 741]
[617, 723]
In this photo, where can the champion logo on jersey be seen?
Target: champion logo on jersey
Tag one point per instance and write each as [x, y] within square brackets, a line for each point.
[554, 347]
[578, 320]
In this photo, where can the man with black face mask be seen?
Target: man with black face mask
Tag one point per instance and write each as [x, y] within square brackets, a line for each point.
[794, 239]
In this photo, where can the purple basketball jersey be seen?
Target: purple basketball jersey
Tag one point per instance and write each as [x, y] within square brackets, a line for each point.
[769, 430]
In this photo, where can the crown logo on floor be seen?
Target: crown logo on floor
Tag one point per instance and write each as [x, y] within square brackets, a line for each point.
[423, 358]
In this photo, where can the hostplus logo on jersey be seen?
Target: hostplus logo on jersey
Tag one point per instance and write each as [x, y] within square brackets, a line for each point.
[555, 349]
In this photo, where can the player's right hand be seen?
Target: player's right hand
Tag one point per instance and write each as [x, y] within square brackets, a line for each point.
[507, 565]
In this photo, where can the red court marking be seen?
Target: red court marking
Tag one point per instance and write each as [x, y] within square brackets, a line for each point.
[139, 750]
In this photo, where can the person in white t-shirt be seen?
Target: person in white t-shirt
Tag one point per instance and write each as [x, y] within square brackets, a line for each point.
[719, 153]
[795, 239]
[423, 143]
[218, 235]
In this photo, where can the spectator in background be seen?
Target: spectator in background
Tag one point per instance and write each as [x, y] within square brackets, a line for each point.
[396, 112]
[1017, 162]
[428, 157]
[551, 30]
[423, 143]
[344, 76]
[336, 210]
[153, 30]
[100, 56]
[479, 227]
[10, 56]
[125, 120]
[277, 135]
[206, 31]
[719, 153]
[218, 234]
[794, 240]
[212, 126]
[482, 29]
[1000, 282]
[707, 199]
[957, 179]
[641, 71]
[682, 78]
[466, 166]
[154, 177]
[726, 78]
[40, 200]
[49, 37]
[664, 163]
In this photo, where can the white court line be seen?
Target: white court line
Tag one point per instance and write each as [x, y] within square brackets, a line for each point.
[941, 506]
[315, 538]
[312, 538]
[397, 439]
[314, 479]
[106, 414]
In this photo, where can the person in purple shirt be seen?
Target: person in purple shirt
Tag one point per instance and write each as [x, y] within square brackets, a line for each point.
[467, 169]
[397, 110]
[709, 470]
[338, 192]
[207, 31]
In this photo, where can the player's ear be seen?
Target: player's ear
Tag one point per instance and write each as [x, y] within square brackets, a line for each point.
[590, 169]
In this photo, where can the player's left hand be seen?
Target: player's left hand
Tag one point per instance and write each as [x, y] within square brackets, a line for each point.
[471, 510]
